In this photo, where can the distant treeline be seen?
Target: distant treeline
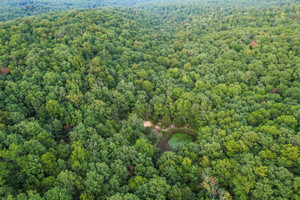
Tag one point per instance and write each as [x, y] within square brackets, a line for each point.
[12, 9]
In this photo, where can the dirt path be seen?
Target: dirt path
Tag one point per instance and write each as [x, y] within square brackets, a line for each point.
[147, 124]
[155, 129]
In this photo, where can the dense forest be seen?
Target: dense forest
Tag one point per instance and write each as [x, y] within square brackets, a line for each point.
[13, 9]
[77, 87]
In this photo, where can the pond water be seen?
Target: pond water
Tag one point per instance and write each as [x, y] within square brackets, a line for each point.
[180, 139]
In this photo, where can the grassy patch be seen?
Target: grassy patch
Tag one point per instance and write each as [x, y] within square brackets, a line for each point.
[180, 139]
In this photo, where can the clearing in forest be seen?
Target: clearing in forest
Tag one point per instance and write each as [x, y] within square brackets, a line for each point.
[170, 137]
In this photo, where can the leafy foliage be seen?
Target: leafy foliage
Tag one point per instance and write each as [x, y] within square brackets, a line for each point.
[77, 85]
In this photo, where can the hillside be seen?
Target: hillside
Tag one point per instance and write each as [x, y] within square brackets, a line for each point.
[13, 9]
[77, 86]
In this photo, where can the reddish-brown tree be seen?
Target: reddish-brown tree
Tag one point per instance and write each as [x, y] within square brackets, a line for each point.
[4, 70]
[253, 44]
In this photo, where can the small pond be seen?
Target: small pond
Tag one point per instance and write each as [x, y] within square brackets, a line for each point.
[180, 139]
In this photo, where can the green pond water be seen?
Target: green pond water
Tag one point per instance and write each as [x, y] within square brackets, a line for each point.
[179, 139]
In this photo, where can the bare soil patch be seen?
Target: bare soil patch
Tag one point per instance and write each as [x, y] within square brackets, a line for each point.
[147, 124]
